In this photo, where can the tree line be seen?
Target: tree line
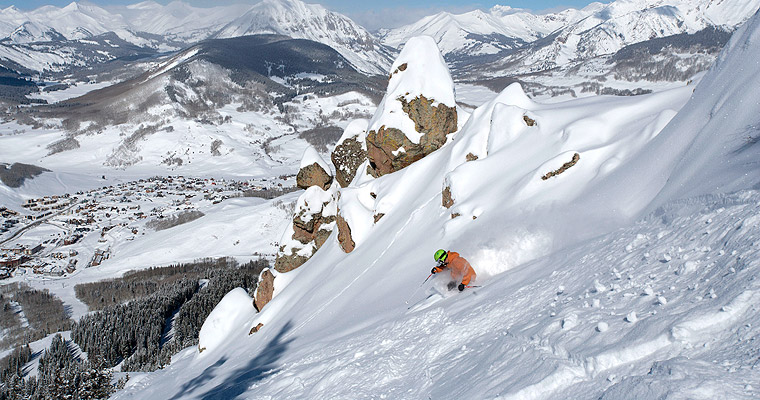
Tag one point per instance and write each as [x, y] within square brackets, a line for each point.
[147, 316]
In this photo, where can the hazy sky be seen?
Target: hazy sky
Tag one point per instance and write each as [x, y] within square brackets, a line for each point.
[371, 14]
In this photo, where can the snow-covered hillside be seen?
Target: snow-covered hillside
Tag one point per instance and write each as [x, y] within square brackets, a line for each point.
[478, 33]
[209, 108]
[75, 21]
[465, 33]
[608, 29]
[297, 19]
[179, 21]
[585, 293]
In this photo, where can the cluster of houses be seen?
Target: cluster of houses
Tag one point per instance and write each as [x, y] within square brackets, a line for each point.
[93, 221]
[47, 204]
[13, 257]
[8, 219]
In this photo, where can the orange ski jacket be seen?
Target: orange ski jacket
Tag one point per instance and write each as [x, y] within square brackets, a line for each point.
[459, 268]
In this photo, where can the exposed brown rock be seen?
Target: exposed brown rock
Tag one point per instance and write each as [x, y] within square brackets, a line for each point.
[302, 235]
[264, 290]
[401, 67]
[321, 237]
[347, 157]
[311, 224]
[379, 216]
[436, 121]
[256, 328]
[433, 122]
[454, 215]
[344, 235]
[201, 349]
[313, 175]
[564, 167]
[529, 121]
[285, 263]
[471, 157]
[446, 199]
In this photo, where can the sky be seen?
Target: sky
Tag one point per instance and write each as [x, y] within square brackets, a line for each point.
[370, 14]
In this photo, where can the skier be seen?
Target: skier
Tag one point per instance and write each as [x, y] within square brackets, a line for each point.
[457, 264]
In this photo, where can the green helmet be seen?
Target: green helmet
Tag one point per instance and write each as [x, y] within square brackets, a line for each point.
[441, 255]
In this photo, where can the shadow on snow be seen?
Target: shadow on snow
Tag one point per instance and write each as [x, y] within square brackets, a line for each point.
[257, 369]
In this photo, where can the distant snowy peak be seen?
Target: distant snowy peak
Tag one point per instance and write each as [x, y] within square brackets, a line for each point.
[595, 30]
[180, 21]
[73, 22]
[609, 28]
[32, 32]
[297, 19]
[172, 26]
[472, 33]
[477, 33]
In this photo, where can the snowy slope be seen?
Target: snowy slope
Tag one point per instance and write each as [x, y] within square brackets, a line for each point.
[472, 33]
[179, 21]
[478, 33]
[297, 19]
[663, 308]
[75, 21]
[607, 29]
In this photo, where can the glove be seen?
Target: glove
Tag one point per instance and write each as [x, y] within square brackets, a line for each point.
[461, 287]
[433, 271]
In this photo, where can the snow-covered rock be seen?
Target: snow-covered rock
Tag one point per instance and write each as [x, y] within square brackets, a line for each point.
[350, 151]
[235, 309]
[417, 112]
[314, 215]
[314, 171]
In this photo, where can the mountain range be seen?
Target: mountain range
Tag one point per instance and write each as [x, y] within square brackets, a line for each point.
[524, 43]
[477, 43]
[160, 28]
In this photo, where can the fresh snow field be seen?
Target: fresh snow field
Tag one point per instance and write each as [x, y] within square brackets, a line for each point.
[632, 274]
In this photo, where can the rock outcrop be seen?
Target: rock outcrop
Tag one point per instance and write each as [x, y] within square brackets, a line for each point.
[350, 152]
[313, 222]
[264, 290]
[313, 175]
[417, 112]
[389, 149]
[563, 168]
[344, 235]
[446, 199]
[314, 171]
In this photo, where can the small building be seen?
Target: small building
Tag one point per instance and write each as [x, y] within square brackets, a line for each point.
[33, 250]
[11, 262]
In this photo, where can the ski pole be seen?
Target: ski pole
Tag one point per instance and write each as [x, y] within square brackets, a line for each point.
[418, 288]
[472, 286]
